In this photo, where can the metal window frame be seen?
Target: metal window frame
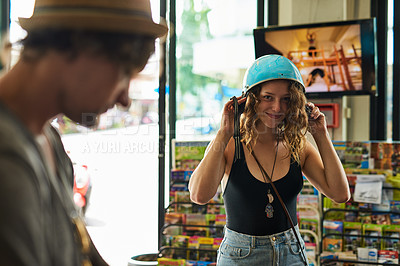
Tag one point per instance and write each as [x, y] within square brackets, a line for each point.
[4, 21]
[379, 10]
[396, 70]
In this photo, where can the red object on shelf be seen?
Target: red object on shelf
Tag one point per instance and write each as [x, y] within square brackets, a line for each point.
[331, 112]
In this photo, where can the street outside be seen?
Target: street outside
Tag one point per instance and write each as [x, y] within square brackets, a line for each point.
[123, 210]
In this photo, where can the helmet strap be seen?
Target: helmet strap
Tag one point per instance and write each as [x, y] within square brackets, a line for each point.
[236, 130]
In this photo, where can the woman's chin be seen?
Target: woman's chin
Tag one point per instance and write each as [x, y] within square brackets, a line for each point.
[268, 126]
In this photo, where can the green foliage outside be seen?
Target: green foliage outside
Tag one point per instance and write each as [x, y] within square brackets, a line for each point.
[195, 29]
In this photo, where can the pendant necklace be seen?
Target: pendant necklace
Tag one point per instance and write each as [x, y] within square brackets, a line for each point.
[269, 210]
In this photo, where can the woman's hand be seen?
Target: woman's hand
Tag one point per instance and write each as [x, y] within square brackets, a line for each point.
[316, 120]
[322, 165]
[228, 115]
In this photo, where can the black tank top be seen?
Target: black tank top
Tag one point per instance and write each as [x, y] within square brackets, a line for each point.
[245, 200]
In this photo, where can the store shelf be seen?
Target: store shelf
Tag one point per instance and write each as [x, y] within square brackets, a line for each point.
[362, 237]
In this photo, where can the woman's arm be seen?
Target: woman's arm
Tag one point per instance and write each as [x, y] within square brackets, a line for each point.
[208, 174]
[323, 167]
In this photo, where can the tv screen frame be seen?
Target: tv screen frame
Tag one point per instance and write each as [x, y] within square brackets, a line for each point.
[312, 55]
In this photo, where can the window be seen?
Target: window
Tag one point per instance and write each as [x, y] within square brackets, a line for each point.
[214, 48]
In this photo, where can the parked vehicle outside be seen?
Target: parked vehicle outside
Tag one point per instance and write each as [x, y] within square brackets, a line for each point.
[82, 187]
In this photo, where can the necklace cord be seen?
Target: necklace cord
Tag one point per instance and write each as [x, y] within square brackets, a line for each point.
[265, 176]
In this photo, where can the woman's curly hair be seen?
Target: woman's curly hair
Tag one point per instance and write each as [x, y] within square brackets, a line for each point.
[292, 131]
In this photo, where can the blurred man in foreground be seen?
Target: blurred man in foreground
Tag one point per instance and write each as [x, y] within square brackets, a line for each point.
[77, 59]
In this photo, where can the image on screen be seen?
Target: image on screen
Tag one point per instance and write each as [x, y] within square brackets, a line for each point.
[330, 57]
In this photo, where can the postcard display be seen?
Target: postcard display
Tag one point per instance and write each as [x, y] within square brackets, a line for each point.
[192, 233]
[367, 228]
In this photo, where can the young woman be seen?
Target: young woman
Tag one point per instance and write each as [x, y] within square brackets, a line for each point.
[272, 131]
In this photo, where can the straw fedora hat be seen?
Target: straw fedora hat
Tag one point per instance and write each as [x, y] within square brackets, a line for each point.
[126, 16]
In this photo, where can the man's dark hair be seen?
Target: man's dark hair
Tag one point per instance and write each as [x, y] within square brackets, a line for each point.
[131, 51]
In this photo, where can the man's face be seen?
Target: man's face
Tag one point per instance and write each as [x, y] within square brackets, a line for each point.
[91, 86]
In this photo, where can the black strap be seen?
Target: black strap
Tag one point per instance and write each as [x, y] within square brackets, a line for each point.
[266, 176]
[236, 130]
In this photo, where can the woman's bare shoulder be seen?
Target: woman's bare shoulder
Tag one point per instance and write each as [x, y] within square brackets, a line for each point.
[308, 149]
[229, 152]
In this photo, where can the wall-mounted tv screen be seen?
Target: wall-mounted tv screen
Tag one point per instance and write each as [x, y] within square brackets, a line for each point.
[333, 57]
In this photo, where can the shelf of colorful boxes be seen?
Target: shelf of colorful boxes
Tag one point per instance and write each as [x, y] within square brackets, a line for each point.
[359, 232]
[192, 233]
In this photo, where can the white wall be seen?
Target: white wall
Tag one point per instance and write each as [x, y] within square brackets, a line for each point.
[310, 11]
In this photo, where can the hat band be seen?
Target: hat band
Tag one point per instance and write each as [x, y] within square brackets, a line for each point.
[43, 10]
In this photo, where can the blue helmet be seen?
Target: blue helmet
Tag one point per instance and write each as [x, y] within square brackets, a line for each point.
[270, 67]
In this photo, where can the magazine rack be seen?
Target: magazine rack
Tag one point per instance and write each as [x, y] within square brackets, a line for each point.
[194, 241]
[311, 259]
[191, 232]
[309, 218]
[359, 239]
